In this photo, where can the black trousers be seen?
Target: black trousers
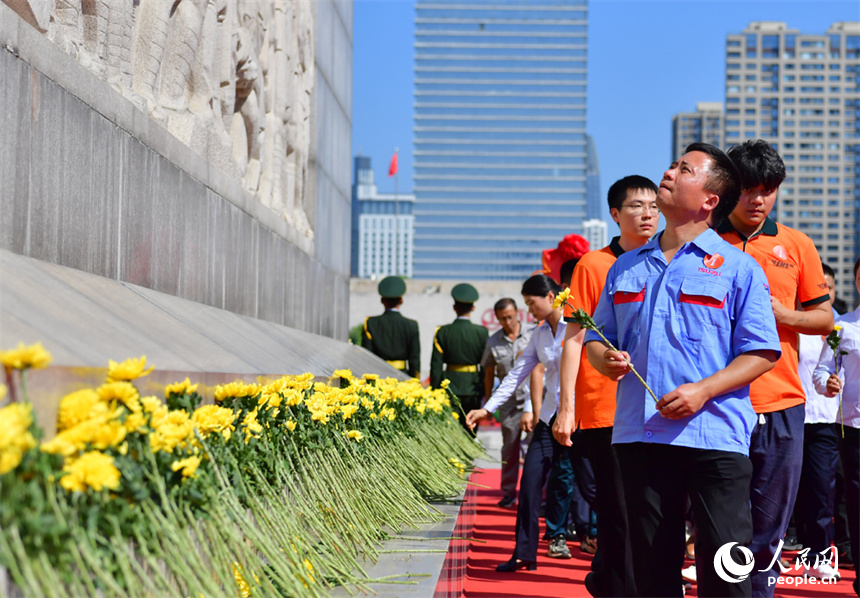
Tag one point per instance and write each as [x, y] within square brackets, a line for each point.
[657, 479]
[613, 563]
[535, 471]
[813, 511]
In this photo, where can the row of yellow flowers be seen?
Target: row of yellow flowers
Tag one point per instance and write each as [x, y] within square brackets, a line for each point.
[129, 463]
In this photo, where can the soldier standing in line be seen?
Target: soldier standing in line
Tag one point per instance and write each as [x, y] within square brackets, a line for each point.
[391, 336]
[460, 346]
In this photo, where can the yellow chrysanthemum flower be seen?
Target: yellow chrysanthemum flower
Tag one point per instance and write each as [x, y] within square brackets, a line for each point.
[291, 425]
[561, 298]
[355, 435]
[236, 389]
[24, 357]
[150, 404]
[124, 392]
[188, 466]
[108, 435]
[177, 429]
[130, 369]
[134, 422]
[346, 374]
[371, 377]
[253, 429]
[210, 419]
[837, 328]
[244, 588]
[92, 470]
[78, 407]
[15, 436]
[445, 383]
[180, 388]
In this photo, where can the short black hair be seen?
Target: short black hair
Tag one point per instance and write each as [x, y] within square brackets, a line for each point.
[759, 164]
[828, 270]
[723, 179]
[540, 285]
[463, 308]
[618, 191]
[391, 302]
[565, 273]
[503, 304]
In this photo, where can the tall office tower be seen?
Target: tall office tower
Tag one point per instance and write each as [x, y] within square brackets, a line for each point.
[596, 232]
[593, 200]
[500, 149]
[801, 92]
[703, 125]
[382, 227]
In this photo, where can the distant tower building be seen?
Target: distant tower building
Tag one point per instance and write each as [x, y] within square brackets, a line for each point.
[704, 125]
[801, 92]
[596, 232]
[500, 148]
[593, 200]
[382, 227]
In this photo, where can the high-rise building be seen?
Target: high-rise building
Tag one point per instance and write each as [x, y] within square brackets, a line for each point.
[801, 92]
[382, 227]
[500, 144]
[703, 125]
[596, 232]
[593, 200]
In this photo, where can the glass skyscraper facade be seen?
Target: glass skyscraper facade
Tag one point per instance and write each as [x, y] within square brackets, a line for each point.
[500, 143]
[801, 92]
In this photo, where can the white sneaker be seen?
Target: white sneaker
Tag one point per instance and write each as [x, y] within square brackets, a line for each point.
[823, 571]
[689, 573]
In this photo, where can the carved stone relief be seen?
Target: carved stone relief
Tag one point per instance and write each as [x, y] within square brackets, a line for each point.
[232, 79]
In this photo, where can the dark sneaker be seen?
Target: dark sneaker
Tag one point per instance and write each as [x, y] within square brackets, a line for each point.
[507, 502]
[588, 545]
[791, 543]
[558, 548]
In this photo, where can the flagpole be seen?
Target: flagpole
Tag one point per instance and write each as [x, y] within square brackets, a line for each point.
[396, 223]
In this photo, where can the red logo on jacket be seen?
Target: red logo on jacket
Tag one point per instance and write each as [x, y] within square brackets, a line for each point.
[714, 261]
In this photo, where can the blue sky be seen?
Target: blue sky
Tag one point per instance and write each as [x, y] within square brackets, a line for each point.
[647, 60]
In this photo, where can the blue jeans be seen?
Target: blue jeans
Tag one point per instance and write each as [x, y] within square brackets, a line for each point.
[776, 452]
[567, 490]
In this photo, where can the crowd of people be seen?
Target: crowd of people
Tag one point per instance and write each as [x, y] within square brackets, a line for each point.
[693, 376]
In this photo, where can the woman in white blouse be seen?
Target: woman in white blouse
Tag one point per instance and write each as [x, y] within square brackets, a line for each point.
[539, 293]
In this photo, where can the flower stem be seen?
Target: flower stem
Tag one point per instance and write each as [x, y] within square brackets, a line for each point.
[627, 361]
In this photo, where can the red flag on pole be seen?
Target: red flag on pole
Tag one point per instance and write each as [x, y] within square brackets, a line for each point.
[392, 170]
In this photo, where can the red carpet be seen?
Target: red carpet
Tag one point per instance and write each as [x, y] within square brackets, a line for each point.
[554, 578]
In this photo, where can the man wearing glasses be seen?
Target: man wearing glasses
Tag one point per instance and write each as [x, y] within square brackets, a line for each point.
[633, 205]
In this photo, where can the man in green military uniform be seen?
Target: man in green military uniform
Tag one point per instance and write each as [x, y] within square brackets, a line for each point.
[460, 346]
[391, 336]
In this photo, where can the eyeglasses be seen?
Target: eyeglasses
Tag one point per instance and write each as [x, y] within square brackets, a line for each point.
[639, 208]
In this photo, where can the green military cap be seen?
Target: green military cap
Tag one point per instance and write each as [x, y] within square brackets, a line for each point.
[464, 293]
[392, 287]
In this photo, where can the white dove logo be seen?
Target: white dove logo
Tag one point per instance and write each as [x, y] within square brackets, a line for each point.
[727, 568]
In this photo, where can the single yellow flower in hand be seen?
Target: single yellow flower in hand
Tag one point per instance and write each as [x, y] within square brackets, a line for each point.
[561, 298]
[837, 328]
[22, 358]
[130, 369]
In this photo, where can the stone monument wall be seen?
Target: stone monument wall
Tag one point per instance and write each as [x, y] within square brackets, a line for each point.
[183, 147]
